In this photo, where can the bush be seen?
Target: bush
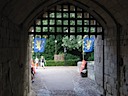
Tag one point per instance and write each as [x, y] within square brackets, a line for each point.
[71, 57]
[61, 63]
[71, 62]
[91, 57]
[54, 63]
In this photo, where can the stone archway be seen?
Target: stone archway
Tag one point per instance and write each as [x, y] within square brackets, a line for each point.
[110, 27]
[38, 28]
[16, 18]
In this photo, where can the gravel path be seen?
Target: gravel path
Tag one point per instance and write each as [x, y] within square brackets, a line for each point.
[62, 81]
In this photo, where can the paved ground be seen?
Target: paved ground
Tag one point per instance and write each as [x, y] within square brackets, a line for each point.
[62, 81]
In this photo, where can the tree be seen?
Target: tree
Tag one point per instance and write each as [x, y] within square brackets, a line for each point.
[72, 42]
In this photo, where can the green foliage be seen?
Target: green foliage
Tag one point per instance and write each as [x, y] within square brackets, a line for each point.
[71, 62]
[89, 56]
[72, 42]
[71, 57]
[34, 55]
[50, 48]
[38, 29]
[61, 63]
[54, 63]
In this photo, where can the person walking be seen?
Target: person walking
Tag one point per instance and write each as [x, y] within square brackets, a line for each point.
[36, 62]
[33, 65]
[32, 74]
[43, 62]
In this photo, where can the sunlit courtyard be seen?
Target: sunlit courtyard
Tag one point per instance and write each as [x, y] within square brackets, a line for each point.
[62, 81]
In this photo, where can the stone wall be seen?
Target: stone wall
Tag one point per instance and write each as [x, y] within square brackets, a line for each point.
[98, 64]
[29, 48]
[124, 61]
[110, 57]
[13, 54]
[90, 68]
[14, 48]
[59, 57]
[106, 75]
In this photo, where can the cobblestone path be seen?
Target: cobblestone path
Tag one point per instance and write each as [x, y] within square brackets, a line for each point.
[62, 81]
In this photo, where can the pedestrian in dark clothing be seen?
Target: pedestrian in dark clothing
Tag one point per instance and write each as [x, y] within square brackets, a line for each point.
[32, 74]
[43, 62]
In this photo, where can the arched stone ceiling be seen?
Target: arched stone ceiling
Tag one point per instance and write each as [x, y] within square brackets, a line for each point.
[22, 11]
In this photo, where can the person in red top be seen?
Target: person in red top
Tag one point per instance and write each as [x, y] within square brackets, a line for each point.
[83, 65]
[33, 66]
[83, 68]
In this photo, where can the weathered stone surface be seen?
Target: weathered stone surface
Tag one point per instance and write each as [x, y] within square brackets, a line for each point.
[11, 76]
[13, 46]
[90, 68]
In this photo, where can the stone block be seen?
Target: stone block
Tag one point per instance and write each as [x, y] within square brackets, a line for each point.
[25, 92]
[99, 80]
[91, 74]
[114, 91]
[127, 77]
[110, 69]
[109, 89]
[107, 94]
[105, 78]
[100, 89]
[58, 57]
[79, 65]
[106, 63]
[106, 70]
[98, 69]
[124, 90]
[112, 65]
[112, 82]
